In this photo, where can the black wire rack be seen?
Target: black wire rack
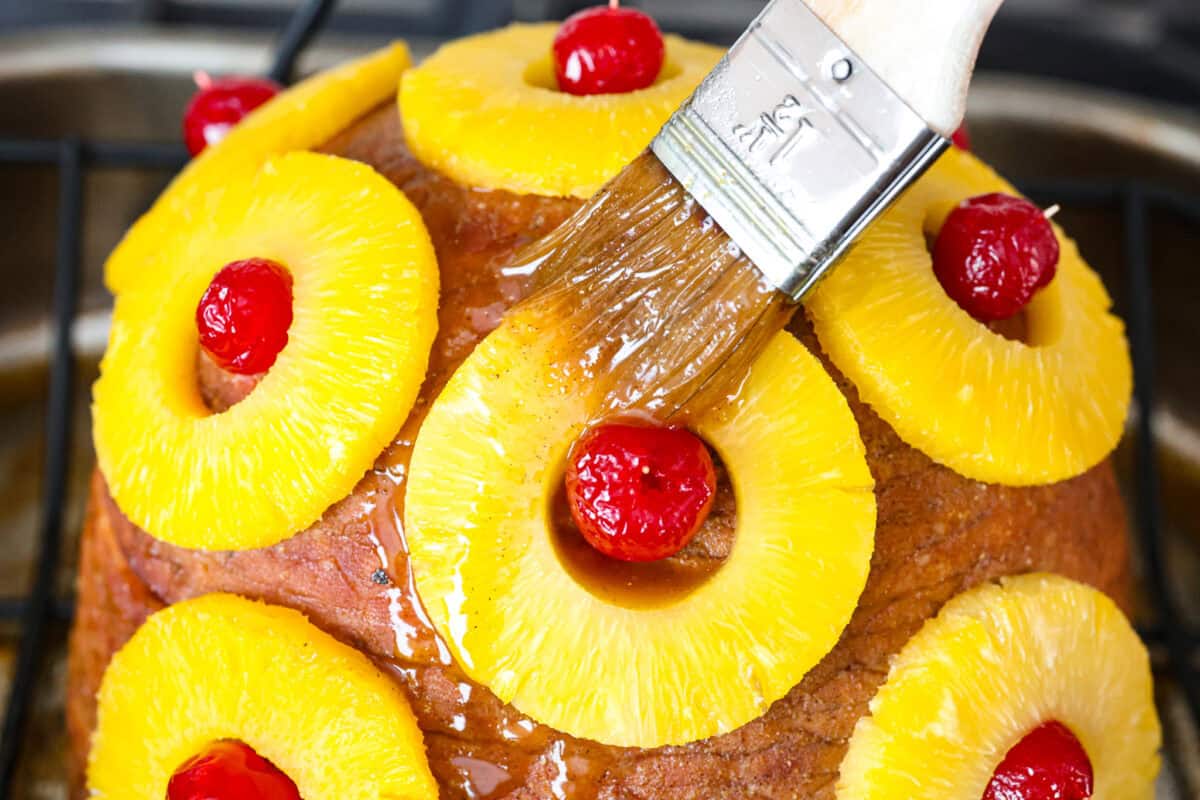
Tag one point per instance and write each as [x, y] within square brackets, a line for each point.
[73, 158]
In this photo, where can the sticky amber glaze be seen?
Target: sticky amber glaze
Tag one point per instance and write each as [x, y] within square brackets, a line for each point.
[938, 534]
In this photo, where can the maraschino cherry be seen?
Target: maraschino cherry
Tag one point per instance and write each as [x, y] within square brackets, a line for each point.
[244, 315]
[608, 50]
[1048, 764]
[220, 104]
[639, 493]
[993, 253]
[229, 770]
[961, 138]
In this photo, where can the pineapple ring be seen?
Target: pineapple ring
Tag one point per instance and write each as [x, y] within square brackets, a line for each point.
[365, 314]
[224, 667]
[990, 408]
[486, 111]
[995, 663]
[304, 116]
[487, 462]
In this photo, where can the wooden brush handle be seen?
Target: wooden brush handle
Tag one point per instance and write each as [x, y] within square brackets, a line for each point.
[924, 49]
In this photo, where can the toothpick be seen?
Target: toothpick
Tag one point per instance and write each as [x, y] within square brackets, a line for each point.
[202, 79]
[1051, 211]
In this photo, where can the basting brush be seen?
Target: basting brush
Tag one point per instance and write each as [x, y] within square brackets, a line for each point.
[670, 281]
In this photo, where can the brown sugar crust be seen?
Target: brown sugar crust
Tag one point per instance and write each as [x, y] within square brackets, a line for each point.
[938, 534]
[111, 602]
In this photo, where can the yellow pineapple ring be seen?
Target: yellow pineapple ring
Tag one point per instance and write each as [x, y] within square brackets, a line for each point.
[365, 314]
[996, 662]
[988, 407]
[490, 456]
[304, 116]
[487, 112]
[223, 667]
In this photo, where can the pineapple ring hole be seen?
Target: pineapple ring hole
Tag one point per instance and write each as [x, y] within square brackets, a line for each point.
[221, 390]
[654, 584]
[1017, 328]
[540, 74]
[267, 769]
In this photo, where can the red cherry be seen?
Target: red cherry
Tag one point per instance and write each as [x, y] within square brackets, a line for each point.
[962, 138]
[1048, 764]
[219, 105]
[229, 770]
[993, 253]
[244, 315]
[608, 50]
[639, 493]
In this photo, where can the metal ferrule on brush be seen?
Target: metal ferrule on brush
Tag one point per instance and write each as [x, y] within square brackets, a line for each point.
[793, 145]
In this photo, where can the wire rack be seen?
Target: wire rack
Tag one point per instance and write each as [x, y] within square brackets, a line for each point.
[73, 158]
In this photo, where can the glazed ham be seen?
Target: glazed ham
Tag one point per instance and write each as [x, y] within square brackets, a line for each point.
[937, 534]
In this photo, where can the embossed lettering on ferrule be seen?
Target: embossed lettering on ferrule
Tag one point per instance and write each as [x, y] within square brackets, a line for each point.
[778, 130]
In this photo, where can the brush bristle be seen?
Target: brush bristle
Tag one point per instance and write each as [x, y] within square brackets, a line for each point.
[655, 305]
